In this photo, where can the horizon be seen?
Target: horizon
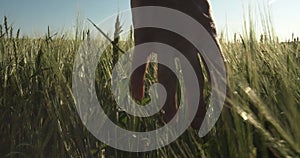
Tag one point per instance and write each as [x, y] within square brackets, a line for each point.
[34, 16]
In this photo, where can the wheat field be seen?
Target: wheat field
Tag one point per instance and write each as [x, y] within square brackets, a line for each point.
[38, 116]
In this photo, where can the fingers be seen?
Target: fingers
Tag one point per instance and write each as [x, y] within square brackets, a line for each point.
[137, 87]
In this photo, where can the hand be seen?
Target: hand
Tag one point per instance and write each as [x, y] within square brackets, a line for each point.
[137, 87]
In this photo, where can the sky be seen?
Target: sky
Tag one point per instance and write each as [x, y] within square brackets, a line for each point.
[34, 16]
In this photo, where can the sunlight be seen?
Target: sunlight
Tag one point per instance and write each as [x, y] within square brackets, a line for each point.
[271, 2]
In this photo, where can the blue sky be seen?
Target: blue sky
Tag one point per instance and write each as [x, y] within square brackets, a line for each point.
[33, 16]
